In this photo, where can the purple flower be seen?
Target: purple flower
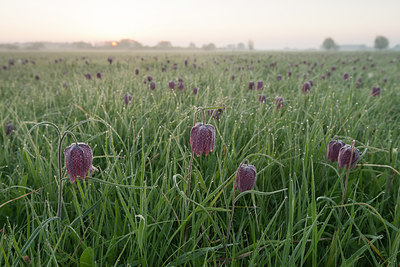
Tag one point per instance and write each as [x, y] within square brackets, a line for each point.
[345, 154]
[262, 98]
[186, 62]
[181, 85]
[333, 68]
[289, 73]
[279, 77]
[110, 60]
[175, 66]
[149, 78]
[137, 71]
[311, 83]
[345, 76]
[88, 76]
[306, 87]
[5, 67]
[37, 77]
[279, 102]
[9, 128]
[376, 91]
[251, 85]
[98, 75]
[334, 147]
[246, 177]
[202, 139]
[78, 160]
[260, 85]
[195, 90]
[322, 77]
[171, 85]
[233, 77]
[152, 85]
[127, 99]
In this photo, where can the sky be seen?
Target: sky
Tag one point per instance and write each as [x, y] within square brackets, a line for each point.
[269, 24]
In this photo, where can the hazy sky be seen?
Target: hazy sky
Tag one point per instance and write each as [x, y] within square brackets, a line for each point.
[270, 24]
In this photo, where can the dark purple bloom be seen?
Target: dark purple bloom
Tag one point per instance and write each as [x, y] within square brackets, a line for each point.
[345, 154]
[98, 75]
[334, 147]
[333, 68]
[11, 62]
[251, 85]
[260, 85]
[127, 99]
[279, 102]
[195, 90]
[110, 60]
[306, 87]
[322, 77]
[175, 66]
[171, 85]
[186, 62]
[345, 76]
[246, 177]
[202, 139]
[289, 73]
[137, 71]
[37, 77]
[376, 91]
[88, 76]
[181, 85]
[5, 67]
[279, 77]
[233, 77]
[311, 83]
[363, 67]
[329, 74]
[152, 85]
[78, 160]
[9, 128]
[149, 78]
[262, 98]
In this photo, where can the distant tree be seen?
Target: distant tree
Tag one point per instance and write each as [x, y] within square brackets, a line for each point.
[36, 46]
[381, 42]
[209, 46]
[250, 44]
[241, 46]
[164, 45]
[192, 46]
[130, 44]
[81, 45]
[329, 44]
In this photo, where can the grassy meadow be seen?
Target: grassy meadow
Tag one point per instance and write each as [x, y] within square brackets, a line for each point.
[134, 210]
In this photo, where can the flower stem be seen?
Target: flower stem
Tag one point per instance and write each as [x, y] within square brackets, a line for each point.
[60, 170]
[347, 177]
[231, 217]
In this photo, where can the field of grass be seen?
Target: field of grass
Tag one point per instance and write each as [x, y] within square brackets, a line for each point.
[134, 210]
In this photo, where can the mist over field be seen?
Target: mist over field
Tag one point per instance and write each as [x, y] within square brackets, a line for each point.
[199, 134]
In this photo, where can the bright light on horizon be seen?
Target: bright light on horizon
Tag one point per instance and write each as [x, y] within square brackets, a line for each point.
[269, 24]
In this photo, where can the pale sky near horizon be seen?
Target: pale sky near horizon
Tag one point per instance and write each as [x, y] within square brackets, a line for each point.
[270, 24]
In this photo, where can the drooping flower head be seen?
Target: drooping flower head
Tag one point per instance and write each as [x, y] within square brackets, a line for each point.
[376, 91]
[246, 177]
[334, 147]
[260, 85]
[195, 90]
[127, 99]
[152, 85]
[171, 85]
[202, 138]
[98, 75]
[110, 60]
[251, 85]
[279, 102]
[9, 128]
[345, 154]
[345, 76]
[78, 160]
[306, 87]
[262, 98]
